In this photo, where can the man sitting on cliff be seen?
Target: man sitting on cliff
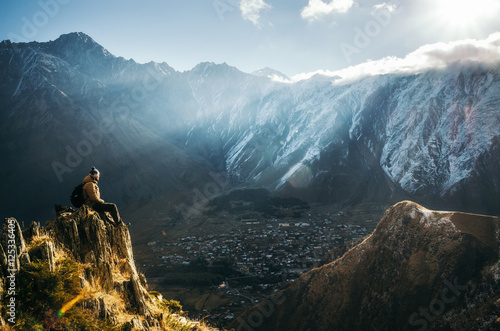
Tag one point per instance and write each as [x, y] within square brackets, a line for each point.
[93, 199]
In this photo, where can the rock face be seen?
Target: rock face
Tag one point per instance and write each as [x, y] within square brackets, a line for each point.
[91, 240]
[419, 270]
[105, 277]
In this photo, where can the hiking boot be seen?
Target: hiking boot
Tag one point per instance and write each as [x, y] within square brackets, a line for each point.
[122, 223]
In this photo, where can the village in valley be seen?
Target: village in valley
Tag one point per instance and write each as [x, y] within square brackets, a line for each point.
[217, 275]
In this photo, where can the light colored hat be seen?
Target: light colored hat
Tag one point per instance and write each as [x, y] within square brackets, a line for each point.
[94, 171]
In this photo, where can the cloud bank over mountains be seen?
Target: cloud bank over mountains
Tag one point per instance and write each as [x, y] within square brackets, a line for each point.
[439, 55]
[433, 56]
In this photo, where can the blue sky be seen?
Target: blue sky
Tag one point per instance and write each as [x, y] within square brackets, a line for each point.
[291, 36]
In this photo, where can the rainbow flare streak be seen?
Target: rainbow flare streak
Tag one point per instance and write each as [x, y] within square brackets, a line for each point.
[67, 306]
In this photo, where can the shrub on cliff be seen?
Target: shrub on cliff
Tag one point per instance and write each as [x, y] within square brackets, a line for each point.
[45, 294]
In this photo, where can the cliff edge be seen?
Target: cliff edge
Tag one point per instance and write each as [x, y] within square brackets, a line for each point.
[78, 272]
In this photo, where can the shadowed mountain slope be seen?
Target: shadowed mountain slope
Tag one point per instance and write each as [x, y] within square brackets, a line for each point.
[420, 269]
[156, 134]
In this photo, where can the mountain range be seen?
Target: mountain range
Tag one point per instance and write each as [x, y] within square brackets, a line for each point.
[161, 135]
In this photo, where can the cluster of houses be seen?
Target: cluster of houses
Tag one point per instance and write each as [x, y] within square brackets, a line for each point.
[255, 249]
[273, 252]
[261, 250]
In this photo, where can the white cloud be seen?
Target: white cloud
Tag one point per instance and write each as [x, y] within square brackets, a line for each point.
[280, 79]
[317, 9]
[390, 7]
[251, 10]
[434, 56]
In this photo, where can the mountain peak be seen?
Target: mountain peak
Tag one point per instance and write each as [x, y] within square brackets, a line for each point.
[213, 68]
[6, 43]
[76, 36]
[272, 74]
[78, 43]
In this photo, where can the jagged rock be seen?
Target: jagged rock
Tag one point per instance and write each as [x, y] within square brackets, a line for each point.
[13, 235]
[3, 264]
[45, 252]
[3, 261]
[13, 254]
[63, 210]
[85, 264]
[133, 325]
[34, 230]
[92, 240]
[102, 309]
[420, 269]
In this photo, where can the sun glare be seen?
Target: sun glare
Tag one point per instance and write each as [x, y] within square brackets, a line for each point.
[464, 13]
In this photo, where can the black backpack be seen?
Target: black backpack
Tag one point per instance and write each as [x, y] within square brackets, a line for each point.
[77, 196]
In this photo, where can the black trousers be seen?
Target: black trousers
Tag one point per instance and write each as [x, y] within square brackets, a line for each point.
[108, 207]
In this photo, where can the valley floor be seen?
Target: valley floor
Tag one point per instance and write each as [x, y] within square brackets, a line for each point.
[225, 263]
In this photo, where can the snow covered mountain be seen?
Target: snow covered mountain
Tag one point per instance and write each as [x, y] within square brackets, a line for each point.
[69, 104]
[272, 74]
[434, 136]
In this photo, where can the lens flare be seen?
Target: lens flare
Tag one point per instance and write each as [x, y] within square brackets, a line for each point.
[301, 178]
[464, 13]
[67, 306]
